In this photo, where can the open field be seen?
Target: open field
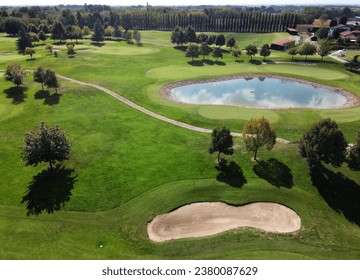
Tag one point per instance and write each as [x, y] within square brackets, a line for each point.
[131, 167]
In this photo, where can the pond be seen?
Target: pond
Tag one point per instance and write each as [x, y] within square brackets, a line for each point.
[260, 92]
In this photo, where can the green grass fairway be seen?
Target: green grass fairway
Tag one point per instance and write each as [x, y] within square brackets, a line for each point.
[130, 167]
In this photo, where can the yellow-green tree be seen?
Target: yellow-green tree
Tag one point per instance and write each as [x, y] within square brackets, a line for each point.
[258, 133]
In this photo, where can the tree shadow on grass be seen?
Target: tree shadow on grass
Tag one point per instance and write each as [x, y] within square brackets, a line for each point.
[17, 94]
[341, 193]
[208, 61]
[49, 99]
[220, 63]
[275, 172]
[49, 190]
[230, 173]
[255, 61]
[98, 44]
[197, 63]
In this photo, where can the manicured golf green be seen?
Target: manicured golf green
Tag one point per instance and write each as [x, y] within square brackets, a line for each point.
[131, 167]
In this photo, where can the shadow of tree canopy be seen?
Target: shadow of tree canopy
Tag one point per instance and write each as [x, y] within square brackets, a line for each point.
[49, 99]
[255, 61]
[49, 190]
[197, 63]
[230, 173]
[341, 193]
[220, 63]
[17, 94]
[275, 172]
[208, 61]
[98, 44]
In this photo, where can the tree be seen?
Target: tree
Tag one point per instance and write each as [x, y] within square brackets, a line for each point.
[77, 33]
[86, 31]
[42, 36]
[221, 142]
[51, 80]
[30, 51]
[117, 32]
[190, 34]
[323, 32]
[128, 35]
[236, 53]
[202, 38]
[70, 50]
[39, 76]
[258, 133]
[48, 144]
[58, 31]
[13, 25]
[211, 39]
[24, 41]
[323, 142]
[98, 35]
[137, 37]
[251, 50]
[178, 36]
[307, 49]
[354, 155]
[217, 53]
[265, 51]
[231, 43]
[14, 73]
[343, 20]
[49, 48]
[204, 49]
[192, 51]
[109, 30]
[220, 40]
[324, 48]
[292, 52]
[333, 23]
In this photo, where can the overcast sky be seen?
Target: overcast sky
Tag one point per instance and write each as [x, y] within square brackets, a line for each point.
[179, 2]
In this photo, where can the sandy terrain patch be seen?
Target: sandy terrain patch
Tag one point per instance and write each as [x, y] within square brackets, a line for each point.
[209, 218]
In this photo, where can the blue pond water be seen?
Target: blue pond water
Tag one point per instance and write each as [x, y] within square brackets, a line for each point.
[260, 93]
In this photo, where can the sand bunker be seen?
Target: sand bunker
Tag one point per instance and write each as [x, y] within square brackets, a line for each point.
[208, 218]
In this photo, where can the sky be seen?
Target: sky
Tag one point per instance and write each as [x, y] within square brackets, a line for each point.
[179, 2]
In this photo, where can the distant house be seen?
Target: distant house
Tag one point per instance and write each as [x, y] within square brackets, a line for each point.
[292, 31]
[280, 45]
[348, 36]
[338, 28]
[305, 28]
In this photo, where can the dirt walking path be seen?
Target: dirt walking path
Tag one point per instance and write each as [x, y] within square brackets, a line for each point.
[150, 113]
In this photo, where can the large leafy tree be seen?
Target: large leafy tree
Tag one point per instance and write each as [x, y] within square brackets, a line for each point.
[220, 40]
[205, 49]
[46, 144]
[217, 53]
[13, 25]
[258, 133]
[221, 142]
[192, 51]
[307, 49]
[24, 41]
[40, 76]
[323, 142]
[265, 51]
[98, 35]
[51, 80]
[14, 73]
[30, 51]
[292, 51]
[251, 50]
[190, 34]
[58, 31]
[354, 155]
[324, 48]
[231, 43]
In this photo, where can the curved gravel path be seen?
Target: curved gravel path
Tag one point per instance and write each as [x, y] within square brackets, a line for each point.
[150, 113]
